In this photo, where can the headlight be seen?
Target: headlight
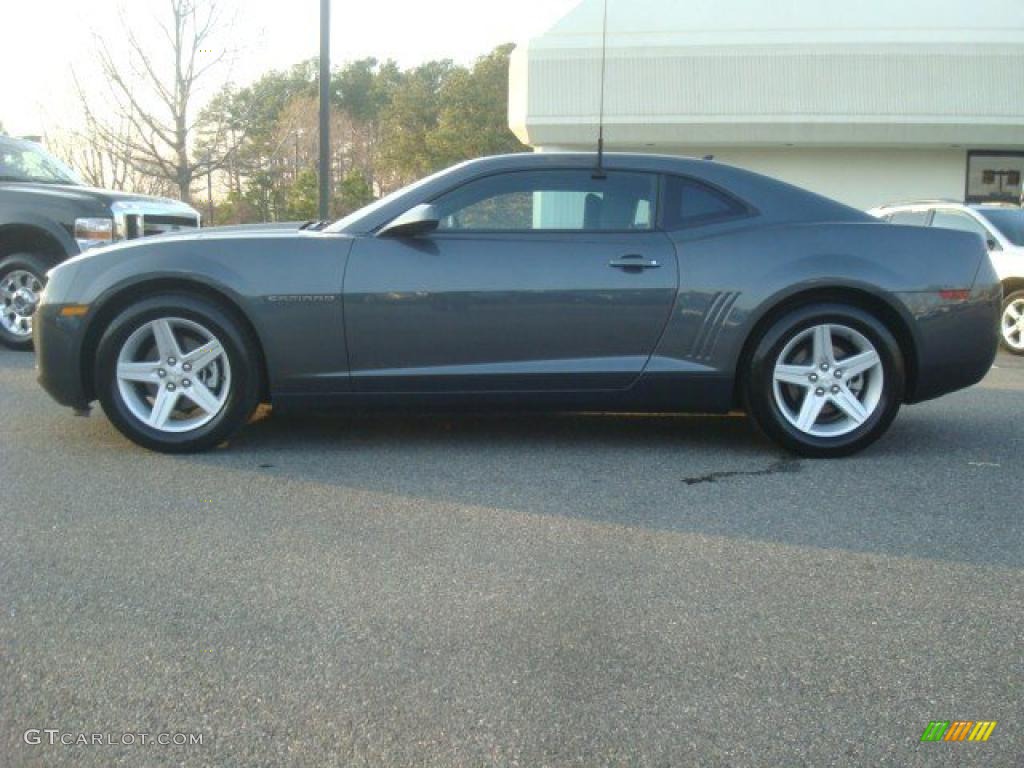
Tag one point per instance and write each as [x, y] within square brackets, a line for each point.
[93, 232]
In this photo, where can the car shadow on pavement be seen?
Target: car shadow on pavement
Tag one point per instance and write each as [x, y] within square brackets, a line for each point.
[712, 475]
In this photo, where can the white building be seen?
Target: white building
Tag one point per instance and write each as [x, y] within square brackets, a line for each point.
[867, 101]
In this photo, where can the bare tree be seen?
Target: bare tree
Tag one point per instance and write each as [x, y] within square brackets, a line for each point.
[101, 164]
[153, 96]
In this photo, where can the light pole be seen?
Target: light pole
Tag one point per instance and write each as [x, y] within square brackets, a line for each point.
[325, 107]
[209, 190]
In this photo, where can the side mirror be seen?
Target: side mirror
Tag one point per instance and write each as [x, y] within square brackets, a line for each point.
[414, 222]
[993, 245]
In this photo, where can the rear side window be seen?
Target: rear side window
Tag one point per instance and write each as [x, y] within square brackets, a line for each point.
[959, 221]
[910, 218]
[691, 203]
[1009, 221]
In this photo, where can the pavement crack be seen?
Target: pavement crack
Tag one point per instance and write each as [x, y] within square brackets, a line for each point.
[779, 467]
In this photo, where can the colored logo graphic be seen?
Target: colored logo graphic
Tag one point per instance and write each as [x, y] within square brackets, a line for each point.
[958, 730]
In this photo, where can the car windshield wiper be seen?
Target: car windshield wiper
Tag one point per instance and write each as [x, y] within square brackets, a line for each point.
[314, 225]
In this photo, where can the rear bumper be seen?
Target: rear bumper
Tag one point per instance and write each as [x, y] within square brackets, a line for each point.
[58, 344]
[957, 341]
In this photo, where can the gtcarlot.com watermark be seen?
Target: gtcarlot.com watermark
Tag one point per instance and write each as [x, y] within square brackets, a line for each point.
[55, 737]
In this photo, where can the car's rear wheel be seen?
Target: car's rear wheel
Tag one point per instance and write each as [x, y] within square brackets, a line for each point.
[825, 380]
[177, 374]
[1012, 323]
[22, 278]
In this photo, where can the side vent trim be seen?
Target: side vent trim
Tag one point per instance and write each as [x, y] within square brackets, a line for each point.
[714, 320]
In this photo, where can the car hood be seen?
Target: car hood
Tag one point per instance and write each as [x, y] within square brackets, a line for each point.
[273, 226]
[218, 238]
[74, 192]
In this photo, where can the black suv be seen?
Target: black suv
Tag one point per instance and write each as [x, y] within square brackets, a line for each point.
[47, 215]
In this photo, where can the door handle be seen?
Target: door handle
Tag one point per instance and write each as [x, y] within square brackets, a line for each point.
[634, 261]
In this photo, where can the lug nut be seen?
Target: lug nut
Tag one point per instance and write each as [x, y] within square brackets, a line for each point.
[814, 377]
[820, 392]
[839, 373]
[186, 367]
[835, 390]
[161, 373]
[172, 360]
[824, 366]
[171, 387]
[186, 383]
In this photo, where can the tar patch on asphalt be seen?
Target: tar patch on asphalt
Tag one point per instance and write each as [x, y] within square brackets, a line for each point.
[785, 466]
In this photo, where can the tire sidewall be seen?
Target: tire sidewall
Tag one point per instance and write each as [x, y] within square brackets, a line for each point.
[30, 263]
[760, 382]
[242, 398]
[1015, 296]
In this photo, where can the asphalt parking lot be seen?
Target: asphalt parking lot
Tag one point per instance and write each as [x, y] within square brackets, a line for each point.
[510, 590]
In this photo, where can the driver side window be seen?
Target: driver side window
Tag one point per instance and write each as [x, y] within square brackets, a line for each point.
[551, 200]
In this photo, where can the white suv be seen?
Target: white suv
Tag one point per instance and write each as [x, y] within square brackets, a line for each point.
[1002, 227]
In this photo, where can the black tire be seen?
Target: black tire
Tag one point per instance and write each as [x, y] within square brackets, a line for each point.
[758, 380]
[19, 262]
[242, 355]
[1015, 297]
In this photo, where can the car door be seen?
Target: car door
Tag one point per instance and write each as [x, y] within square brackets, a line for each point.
[533, 281]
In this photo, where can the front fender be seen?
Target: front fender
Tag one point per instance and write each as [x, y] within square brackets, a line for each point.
[27, 219]
[303, 341]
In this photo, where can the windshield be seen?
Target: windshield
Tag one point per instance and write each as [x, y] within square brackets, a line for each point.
[1009, 221]
[342, 224]
[25, 161]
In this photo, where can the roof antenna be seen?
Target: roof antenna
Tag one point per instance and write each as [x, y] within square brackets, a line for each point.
[599, 170]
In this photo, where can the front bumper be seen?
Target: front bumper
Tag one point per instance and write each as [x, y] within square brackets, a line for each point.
[58, 345]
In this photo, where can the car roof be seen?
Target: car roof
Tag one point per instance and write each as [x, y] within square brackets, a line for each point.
[947, 204]
[922, 203]
[774, 200]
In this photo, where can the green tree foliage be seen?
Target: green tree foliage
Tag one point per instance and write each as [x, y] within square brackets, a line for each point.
[473, 118]
[389, 127]
[302, 196]
[353, 193]
[409, 121]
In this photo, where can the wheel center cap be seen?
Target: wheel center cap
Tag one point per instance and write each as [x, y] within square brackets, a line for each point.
[24, 301]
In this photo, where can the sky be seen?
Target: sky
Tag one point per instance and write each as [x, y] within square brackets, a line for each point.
[45, 40]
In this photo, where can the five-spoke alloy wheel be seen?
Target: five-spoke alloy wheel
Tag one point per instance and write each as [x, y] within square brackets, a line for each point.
[825, 380]
[173, 374]
[1012, 323]
[177, 373]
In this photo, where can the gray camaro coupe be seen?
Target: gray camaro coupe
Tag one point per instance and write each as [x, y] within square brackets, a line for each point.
[533, 281]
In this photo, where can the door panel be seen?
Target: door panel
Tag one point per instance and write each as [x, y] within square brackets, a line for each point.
[540, 311]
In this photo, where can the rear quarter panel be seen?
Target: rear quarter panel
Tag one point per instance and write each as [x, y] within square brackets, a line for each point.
[730, 278]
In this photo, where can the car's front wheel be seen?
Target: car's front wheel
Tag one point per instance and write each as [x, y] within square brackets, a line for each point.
[22, 277]
[177, 373]
[825, 380]
[1012, 324]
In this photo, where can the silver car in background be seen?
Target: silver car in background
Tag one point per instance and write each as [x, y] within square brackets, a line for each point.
[1002, 228]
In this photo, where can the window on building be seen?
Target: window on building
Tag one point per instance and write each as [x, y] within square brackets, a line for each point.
[690, 203]
[910, 218]
[551, 200]
[995, 177]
